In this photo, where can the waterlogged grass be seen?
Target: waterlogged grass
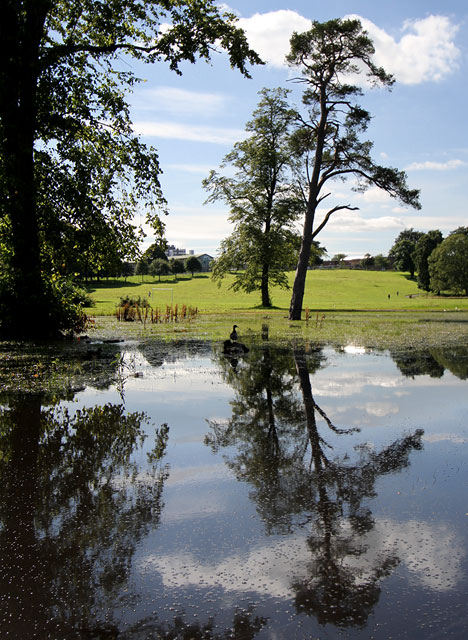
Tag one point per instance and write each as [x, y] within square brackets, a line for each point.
[364, 308]
[326, 291]
[381, 330]
[345, 308]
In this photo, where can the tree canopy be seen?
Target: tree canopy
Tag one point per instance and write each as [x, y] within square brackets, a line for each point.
[403, 249]
[328, 138]
[425, 245]
[72, 172]
[193, 264]
[262, 201]
[448, 265]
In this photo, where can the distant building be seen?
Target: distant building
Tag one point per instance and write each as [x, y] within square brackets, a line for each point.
[172, 251]
[203, 258]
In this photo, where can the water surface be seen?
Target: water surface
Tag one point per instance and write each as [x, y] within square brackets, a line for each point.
[294, 492]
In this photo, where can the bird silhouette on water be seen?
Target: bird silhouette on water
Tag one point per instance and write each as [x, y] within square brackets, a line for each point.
[232, 347]
[234, 335]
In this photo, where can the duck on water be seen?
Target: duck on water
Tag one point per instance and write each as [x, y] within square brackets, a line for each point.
[232, 346]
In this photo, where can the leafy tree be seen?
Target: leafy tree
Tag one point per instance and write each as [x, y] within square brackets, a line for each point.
[317, 252]
[156, 250]
[127, 269]
[448, 265]
[159, 267]
[263, 206]
[142, 268]
[381, 262]
[422, 250]
[193, 264]
[340, 258]
[460, 230]
[69, 160]
[368, 261]
[327, 139]
[176, 266]
[403, 249]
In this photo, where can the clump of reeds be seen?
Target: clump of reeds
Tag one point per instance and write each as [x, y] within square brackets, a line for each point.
[137, 309]
[132, 309]
[319, 319]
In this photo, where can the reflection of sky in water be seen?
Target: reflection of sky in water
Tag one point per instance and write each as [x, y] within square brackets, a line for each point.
[210, 553]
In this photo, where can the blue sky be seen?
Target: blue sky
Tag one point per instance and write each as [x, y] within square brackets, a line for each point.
[419, 126]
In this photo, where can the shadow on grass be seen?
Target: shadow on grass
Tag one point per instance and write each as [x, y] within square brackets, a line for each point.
[120, 284]
[273, 307]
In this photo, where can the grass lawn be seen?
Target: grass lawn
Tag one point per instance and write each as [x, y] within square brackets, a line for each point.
[346, 307]
[326, 290]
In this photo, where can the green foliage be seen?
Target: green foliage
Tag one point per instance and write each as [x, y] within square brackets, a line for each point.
[403, 248]
[177, 267]
[448, 265]
[156, 250]
[142, 268]
[340, 258]
[63, 312]
[159, 267]
[72, 172]
[368, 261]
[131, 308]
[192, 264]
[381, 262]
[327, 140]
[263, 203]
[425, 245]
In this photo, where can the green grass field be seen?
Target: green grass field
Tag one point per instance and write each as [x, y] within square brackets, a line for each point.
[333, 290]
[345, 307]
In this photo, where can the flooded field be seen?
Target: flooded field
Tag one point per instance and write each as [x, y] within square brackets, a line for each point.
[170, 491]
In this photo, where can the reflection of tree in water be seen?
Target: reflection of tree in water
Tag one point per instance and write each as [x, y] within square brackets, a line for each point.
[297, 483]
[417, 362]
[267, 428]
[453, 358]
[245, 626]
[72, 510]
[432, 361]
[158, 352]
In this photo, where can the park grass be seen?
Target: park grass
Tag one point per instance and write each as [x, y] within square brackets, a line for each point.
[344, 308]
[326, 290]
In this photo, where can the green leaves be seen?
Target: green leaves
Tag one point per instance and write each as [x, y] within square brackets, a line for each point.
[72, 173]
[262, 198]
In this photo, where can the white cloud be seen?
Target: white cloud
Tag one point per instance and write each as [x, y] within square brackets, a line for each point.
[444, 437]
[193, 133]
[431, 553]
[436, 166]
[269, 33]
[374, 194]
[444, 223]
[181, 101]
[192, 226]
[425, 52]
[356, 223]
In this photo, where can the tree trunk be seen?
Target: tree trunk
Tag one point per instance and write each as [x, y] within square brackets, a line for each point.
[21, 35]
[297, 297]
[266, 301]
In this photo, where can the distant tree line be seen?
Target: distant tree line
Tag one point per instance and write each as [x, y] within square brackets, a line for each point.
[155, 262]
[439, 265]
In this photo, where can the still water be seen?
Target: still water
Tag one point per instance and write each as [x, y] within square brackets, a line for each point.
[294, 492]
